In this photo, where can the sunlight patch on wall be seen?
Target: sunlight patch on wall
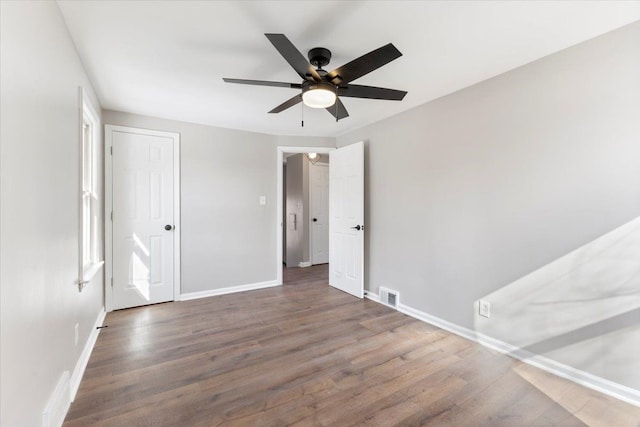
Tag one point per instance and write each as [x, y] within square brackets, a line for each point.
[582, 309]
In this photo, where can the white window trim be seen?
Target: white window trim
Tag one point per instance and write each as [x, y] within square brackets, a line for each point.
[88, 268]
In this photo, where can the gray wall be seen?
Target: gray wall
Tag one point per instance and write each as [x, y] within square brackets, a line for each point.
[228, 239]
[40, 222]
[470, 192]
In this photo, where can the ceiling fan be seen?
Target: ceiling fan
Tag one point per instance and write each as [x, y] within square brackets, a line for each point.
[322, 89]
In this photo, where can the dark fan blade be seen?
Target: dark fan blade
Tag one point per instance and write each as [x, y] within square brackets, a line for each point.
[293, 56]
[371, 92]
[263, 83]
[342, 112]
[287, 104]
[364, 65]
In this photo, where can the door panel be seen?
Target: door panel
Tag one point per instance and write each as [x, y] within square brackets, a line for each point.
[319, 207]
[143, 197]
[346, 207]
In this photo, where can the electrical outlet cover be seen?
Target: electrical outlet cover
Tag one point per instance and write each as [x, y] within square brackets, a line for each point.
[484, 308]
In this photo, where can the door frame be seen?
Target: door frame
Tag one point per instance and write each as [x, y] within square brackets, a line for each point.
[108, 207]
[280, 150]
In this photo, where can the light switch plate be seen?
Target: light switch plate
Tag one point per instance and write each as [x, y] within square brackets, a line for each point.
[263, 200]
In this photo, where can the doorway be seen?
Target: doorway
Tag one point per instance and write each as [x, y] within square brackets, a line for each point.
[283, 221]
[305, 232]
[346, 215]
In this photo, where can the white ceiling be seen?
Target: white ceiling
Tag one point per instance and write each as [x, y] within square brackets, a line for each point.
[167, 59]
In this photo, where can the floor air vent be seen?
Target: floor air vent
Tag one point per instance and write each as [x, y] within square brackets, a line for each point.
[389, 297]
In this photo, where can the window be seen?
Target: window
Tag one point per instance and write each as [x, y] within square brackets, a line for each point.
[90, 254]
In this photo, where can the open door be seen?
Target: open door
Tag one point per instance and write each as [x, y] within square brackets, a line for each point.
[346, 225]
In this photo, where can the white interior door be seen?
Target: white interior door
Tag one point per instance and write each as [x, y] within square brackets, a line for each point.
[319, 207]
[143, 218]
[346, 210]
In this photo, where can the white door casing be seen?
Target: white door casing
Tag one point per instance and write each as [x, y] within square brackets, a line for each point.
[144, 254]
[319, 212]
[346, 223]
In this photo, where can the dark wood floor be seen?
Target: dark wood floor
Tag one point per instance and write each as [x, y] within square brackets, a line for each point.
[307, 354]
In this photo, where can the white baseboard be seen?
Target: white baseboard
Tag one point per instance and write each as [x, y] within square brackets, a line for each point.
[229, 290]
[81, 364]
[304, 264]
[372, 296]
[58, 404]
[594, 382]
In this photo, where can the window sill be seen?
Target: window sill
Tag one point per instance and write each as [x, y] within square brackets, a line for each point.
[90, 271]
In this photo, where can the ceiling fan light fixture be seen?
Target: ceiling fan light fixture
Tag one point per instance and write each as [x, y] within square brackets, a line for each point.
[313, 158]
[320, 95]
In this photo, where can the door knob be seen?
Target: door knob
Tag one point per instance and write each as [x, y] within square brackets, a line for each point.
[315, 219]
[357, 227]
[168, 227]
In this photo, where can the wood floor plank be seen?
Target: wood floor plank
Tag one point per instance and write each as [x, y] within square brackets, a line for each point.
[306, 354]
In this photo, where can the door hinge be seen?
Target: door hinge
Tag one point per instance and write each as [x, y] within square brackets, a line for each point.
[111, 215]
[112, 282]
[111, 150]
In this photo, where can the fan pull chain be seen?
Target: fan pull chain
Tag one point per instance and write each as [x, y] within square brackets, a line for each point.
[302, 112]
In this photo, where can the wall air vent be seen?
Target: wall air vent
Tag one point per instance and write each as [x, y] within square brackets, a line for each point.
[389, 297]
